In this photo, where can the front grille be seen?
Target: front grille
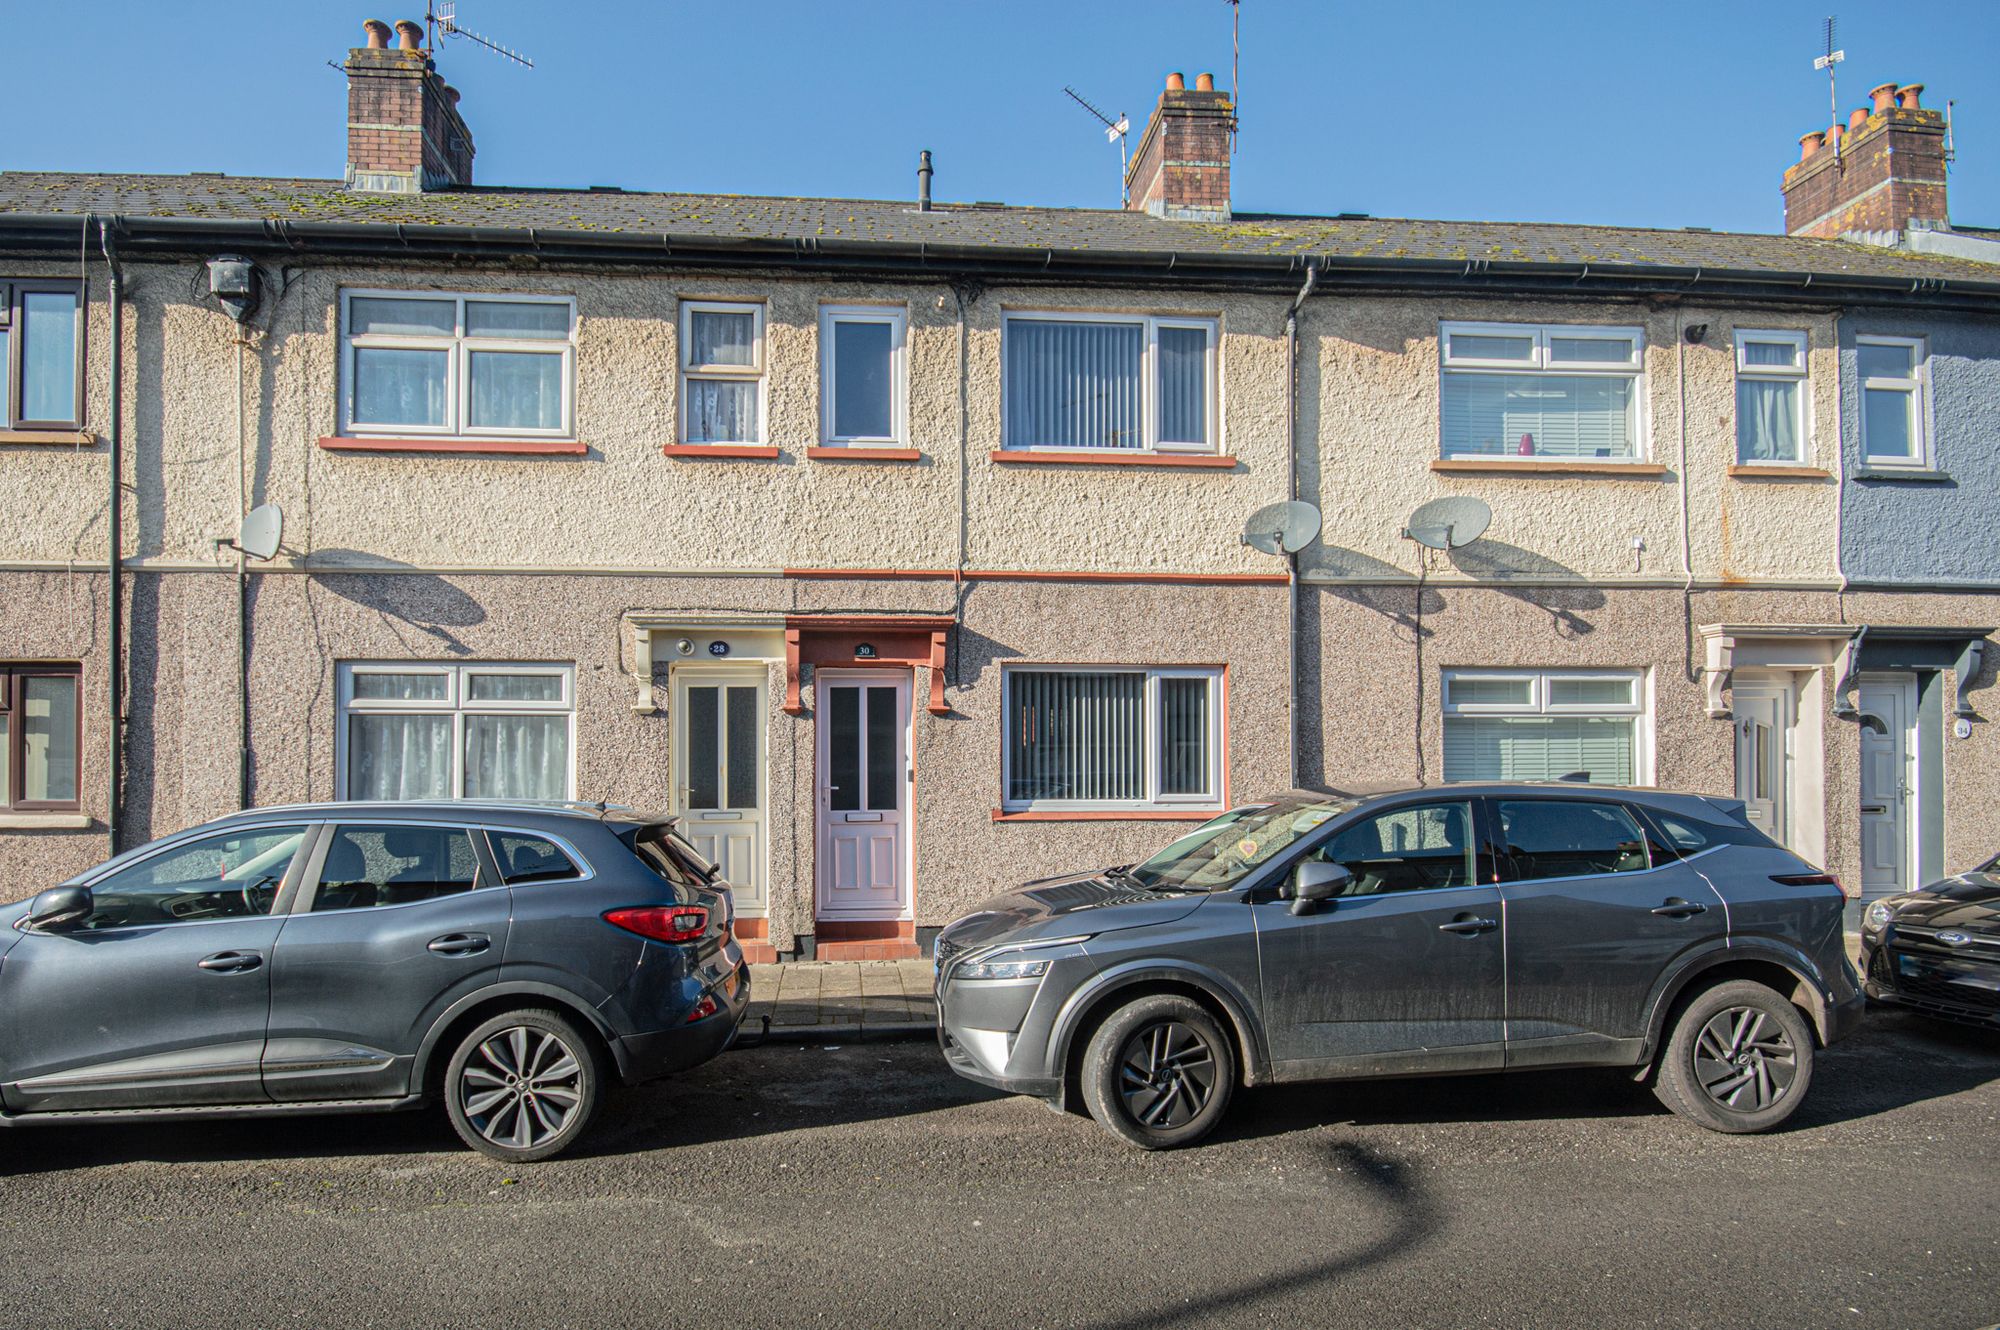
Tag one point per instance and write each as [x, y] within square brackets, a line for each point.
[1929, 984]
[945, 951]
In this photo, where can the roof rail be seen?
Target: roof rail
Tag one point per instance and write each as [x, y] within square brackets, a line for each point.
[599, 807]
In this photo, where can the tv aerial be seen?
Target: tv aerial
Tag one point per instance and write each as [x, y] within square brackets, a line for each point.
[1448, 523]
[1827, 62]
[441, 20]
[1282, 528]
[1115, 131]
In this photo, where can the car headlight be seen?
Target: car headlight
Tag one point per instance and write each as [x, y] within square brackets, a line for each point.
[1879, 913]
[1003, 970]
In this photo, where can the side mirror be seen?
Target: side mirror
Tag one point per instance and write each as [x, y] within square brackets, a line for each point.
[59, 908]
[1316, 881]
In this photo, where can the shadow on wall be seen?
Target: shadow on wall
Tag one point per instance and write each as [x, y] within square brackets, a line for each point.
[1495, 562]
[423, 601]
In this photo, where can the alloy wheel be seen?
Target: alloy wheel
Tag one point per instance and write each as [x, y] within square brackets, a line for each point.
[1166, 1075]
[520, 1088]
[1744, 1060]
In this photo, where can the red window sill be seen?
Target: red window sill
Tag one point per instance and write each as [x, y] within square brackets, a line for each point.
[721, 450]
[1059, 457]
[1140, 815]
[70, 437]
[1759, 470]
[821, 453]
[1549, 466]
[341, 443]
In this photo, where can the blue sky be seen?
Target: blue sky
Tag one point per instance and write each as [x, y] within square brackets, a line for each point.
[1663, 113]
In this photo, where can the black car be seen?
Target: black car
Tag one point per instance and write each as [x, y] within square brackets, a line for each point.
[1461, 928]
[1938, 950]
[510, 959]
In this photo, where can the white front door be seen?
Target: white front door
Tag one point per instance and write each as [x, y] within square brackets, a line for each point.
[1763, 710]
[864, 794]
[1888, 705]
[720, 755]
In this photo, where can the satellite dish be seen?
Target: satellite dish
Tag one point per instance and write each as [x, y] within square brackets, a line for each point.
[1282, 528]
[261, 530]
[1446, 524]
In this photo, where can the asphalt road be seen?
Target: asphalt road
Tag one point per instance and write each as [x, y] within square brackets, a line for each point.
[864, 1186]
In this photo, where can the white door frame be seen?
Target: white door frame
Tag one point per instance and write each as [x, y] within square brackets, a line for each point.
[752, 900]
[1894, 700]
[904, 681]
[1766, 702]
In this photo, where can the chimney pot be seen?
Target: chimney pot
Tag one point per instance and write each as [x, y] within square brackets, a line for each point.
[1176, 83]
[409, 34]
[378, 34]
[452, 93]
[1910, 97]
[1856, 119]
[1810, 144]
[1891, 178]
[1204, 83]
[1833, 133]
[1884, 96]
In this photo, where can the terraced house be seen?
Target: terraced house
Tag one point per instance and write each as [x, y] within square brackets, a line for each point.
[897, 545]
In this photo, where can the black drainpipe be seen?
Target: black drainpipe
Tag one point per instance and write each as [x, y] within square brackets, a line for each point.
[115, 674]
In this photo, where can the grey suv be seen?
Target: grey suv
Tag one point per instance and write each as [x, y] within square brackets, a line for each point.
[1463, 928]
[509, 959]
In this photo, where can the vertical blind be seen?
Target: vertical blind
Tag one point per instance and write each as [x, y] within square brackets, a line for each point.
[1075, 385]
[1183, 385]
[1077, 737]
[1184, 758]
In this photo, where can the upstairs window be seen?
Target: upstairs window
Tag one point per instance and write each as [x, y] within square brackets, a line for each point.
[41, 344]
[457, 365]
[1117, 382]
[1892, 371]
[39, 735]
[1527, 725]
[1770, 398]
[722, 372]
[1113, 738]
[1526, 390]
[861, 375]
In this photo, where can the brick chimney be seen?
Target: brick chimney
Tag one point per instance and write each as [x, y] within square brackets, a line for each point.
[1181, 167]
[404, 133]
[1888, 174]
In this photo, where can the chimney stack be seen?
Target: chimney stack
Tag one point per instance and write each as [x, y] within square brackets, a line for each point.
[404, 132]
[1180, 169]
[1881, 171]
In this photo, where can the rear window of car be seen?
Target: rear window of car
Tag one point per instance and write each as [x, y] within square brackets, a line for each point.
[671, 857]
[524, 858]
[1688, 835]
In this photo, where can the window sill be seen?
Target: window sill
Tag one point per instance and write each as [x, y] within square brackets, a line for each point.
[1776, 471]
[841, 453]
[1920, 474]
[741, 451]
[1107, 815]
[368, 443]
[1080, 457]
[44, 821]
[1548, 466]
[49, 437]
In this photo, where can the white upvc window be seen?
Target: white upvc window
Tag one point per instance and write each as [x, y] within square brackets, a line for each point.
[1105, 737]
[1771, 419]
[1541, 390]
[1502, 724]
[1110, 382]
[419, 730]
[1895, 380]
[722, 372]
[862, 375]
[439, 363]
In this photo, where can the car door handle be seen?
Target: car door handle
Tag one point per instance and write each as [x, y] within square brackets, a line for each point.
[231, 962]
[1677, 908]
[1469, 925]
[460, 944]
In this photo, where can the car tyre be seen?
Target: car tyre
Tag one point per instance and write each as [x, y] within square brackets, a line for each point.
[1159, 1072]
[524, 1085]
[1739, 1059]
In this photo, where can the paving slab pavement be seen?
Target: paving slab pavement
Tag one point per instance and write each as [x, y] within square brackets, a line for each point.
[813, 1000]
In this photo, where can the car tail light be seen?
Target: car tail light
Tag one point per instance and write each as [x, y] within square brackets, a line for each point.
[661, 923]
[1806, 880]
[703, 1009]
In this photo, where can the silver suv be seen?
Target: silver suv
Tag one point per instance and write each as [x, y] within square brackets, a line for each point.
[1465, 928]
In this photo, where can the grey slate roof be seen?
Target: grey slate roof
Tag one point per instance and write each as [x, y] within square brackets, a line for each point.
[1073, 230]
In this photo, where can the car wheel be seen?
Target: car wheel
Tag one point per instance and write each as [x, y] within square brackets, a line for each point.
[1158, 1072]
[1739, 1059]
[523, 1086]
